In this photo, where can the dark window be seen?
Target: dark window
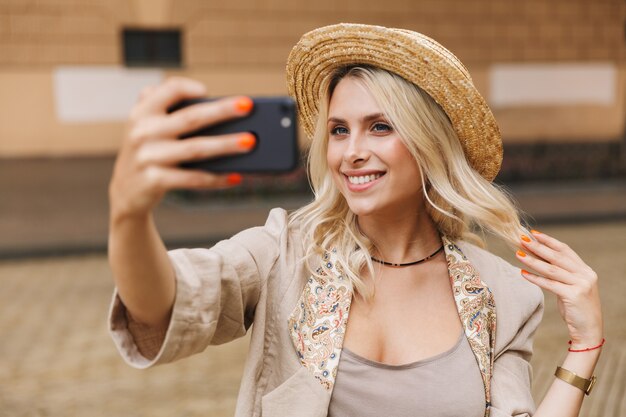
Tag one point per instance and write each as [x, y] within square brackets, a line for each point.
[152, 48]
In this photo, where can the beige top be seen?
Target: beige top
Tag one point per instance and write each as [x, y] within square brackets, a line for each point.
[256, 277]
[366, 388]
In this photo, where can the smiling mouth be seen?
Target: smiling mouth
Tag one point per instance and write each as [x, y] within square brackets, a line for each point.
[363, 179]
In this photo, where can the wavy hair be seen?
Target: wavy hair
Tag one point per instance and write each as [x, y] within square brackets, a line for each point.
[461, 203]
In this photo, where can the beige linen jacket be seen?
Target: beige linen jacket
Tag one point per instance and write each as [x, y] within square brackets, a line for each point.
[299, 321]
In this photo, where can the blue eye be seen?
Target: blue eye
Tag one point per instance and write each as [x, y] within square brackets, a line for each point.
[339, 130]
[381, 127]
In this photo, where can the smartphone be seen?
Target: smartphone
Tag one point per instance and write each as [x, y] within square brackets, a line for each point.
[272, 121]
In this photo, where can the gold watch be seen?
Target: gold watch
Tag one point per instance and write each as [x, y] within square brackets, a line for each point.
[586, 385]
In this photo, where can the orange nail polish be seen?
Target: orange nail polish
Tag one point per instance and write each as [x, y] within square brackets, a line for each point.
[520, 253]
[524, 272]
[247, 141]
[525, 238]
[535, 232]
[234, 179]
[244, 104]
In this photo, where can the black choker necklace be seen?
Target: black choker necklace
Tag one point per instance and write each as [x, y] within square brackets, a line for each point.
[409, 263]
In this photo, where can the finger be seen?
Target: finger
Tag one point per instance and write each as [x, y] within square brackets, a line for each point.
[173, 90]
[194, 117]
[189, 119]
[174, 152]
[555, 244]
[190, 179]
[554, 287]
[545, 269]
[549, 255]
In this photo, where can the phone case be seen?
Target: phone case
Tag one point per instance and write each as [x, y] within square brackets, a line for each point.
[273, 122]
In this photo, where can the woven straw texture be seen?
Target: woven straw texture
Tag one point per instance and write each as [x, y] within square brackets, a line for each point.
[413, 56]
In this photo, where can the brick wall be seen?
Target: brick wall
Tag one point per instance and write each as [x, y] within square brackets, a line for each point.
[240, 32]
[52, 32]
[479, 32]
[241, 46]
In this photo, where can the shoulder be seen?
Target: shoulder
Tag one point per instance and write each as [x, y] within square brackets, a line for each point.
[517, 300]
[278, 238]
[252, 249]
[275, 229]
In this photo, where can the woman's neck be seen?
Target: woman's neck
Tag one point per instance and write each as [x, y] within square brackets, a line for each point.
[401, 238]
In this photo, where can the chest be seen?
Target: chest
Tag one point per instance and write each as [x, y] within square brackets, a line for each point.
[412, 315]
[318, 325]
[446, 385]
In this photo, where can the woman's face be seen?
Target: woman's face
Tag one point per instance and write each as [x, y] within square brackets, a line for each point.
[370, 164]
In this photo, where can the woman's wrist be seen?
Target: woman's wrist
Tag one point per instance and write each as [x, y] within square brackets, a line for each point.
[120, 217]
[586, 342]
[585, 346]
[582, 363]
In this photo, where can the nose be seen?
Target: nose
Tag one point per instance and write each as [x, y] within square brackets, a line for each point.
[357, 150]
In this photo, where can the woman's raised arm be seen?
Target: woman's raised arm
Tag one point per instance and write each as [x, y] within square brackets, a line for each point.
[146, 168]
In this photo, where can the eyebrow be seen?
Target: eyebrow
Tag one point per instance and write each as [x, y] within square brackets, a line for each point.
[367, 118]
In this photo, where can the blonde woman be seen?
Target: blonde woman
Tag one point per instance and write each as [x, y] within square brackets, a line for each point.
[376, 298]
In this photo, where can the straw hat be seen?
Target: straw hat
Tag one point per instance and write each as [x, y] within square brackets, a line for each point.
[413, 56]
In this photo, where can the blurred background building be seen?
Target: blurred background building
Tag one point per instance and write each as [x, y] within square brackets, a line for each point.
[554, 71]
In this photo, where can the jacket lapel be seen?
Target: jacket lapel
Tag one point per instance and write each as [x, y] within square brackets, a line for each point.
[317, 325]
[477, 310]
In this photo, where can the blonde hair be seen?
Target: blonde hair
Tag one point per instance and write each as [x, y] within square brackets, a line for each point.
[461, 203]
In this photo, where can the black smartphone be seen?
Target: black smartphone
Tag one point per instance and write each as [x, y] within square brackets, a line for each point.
[272, 121]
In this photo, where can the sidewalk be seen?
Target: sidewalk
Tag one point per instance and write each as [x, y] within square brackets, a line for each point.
[59, 206]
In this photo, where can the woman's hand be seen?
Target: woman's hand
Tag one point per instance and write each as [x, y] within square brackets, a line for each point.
[561, 271]
[147, 164]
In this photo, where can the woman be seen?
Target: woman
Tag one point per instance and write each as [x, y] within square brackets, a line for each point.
[403, 151]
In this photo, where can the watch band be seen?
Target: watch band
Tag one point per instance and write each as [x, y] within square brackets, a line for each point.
[586, 385]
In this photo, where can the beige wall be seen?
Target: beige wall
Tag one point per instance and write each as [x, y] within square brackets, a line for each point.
[241, 46]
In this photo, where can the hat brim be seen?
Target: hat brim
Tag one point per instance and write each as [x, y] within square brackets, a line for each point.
[411, 55]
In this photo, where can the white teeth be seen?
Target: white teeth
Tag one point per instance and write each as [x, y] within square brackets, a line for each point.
[363, 179]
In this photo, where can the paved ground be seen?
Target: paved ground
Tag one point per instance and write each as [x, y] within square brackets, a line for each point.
[56, 358]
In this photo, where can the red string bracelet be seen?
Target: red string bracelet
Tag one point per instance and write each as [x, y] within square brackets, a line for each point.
[587, 349]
